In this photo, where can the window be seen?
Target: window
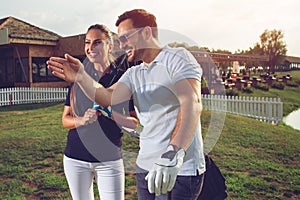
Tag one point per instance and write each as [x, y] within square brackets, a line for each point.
[40, 72]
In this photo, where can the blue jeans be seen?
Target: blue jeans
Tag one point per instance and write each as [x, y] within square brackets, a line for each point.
[186, 188]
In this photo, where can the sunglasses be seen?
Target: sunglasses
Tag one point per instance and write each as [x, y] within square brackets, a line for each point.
[124, 38]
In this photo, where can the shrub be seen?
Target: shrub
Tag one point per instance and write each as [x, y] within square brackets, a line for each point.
[204, 82]
[231, 92]
[292, 84]
[262, 87]
[278, 86]
[247, 90]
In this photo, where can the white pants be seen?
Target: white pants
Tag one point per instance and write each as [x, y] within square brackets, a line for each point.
[108, 175]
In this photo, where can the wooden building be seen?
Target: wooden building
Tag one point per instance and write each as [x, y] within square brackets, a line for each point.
[24, 50]
[289, 63]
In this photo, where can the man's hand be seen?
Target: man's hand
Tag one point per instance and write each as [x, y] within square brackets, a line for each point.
[161, 179]
[68, 68]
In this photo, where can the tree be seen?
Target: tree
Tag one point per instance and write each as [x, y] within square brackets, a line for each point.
[256, 50]
[190, 48]
[272, 44]
[175, 44]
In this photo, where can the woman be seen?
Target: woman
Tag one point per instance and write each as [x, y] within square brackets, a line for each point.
[93, 147]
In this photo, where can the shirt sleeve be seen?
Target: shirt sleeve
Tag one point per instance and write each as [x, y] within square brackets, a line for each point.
[186, 66]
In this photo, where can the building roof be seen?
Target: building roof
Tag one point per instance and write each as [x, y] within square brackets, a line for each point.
[292, 59]
[23, 30]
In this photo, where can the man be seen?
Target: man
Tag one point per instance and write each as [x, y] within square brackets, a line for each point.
[166, 92]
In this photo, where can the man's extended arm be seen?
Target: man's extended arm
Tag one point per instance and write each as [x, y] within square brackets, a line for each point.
[72, 70]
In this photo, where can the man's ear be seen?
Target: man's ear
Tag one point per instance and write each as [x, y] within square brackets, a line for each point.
[147, 32]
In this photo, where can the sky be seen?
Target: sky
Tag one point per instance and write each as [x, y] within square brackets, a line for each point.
[217, 24]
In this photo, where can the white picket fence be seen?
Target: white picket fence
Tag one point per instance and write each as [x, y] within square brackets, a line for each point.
[264, 109]
[25, 95]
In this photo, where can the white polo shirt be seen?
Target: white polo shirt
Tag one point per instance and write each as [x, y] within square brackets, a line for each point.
[157, 106]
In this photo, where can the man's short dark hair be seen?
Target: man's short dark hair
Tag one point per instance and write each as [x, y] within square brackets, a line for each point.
[140, 18]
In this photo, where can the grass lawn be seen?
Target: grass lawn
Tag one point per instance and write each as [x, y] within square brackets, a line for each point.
[259, 160]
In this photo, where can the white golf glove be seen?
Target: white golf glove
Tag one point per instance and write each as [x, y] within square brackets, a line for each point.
[161, 178]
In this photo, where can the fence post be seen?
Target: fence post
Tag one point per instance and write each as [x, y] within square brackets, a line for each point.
[10, 100]
[280, 111]
[255, 113]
